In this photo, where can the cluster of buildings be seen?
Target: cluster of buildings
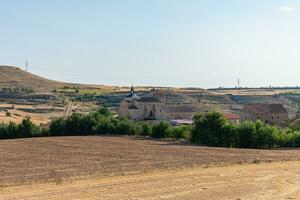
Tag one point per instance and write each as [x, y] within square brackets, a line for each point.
[152, 107]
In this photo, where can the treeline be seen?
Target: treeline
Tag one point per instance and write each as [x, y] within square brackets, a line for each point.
[103, 123]
[209, 129]
[212, 129]
[23, 130]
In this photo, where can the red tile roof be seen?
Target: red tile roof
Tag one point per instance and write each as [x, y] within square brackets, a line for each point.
[231, 116]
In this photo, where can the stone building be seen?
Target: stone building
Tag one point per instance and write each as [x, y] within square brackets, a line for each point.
[235, 119]
[274, 114]
[142, 108]
[180, 112]
[152, 107]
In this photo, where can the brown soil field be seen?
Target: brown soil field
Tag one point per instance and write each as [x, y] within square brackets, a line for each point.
[271, 181]
[32, 160]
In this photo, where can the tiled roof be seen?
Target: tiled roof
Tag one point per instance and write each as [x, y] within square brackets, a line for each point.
[231, 116]
[265, 108]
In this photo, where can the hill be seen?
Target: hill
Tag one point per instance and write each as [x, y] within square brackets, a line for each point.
[14, 77]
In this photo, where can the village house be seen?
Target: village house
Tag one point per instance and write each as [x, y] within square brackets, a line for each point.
[274, 114]
[235, 119]
[180, 112]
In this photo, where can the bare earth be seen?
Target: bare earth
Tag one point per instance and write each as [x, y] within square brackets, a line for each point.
[274, 181]
[132, 168]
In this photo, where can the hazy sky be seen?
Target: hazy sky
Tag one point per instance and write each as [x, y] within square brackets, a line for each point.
[204, 43]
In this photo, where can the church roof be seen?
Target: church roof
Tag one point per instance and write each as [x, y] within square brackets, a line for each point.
[132, 93]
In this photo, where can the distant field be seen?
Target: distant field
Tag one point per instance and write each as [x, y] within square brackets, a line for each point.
[61, 158]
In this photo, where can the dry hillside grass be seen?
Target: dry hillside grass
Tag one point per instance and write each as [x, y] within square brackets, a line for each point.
[16, 77]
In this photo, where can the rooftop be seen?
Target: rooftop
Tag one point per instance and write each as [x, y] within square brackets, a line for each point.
[265, 108]
[231, 116]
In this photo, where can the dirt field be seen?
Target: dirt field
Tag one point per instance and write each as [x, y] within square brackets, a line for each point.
[61, 158]
[275, 181]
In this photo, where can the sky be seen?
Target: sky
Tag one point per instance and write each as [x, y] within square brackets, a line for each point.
[185, 43]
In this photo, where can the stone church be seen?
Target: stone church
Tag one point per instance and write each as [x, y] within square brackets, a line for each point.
[153, 107]
[135, 107]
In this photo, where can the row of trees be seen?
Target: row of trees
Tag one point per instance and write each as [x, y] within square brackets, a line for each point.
[102, 122]
[25, 129]
[212, 129]
[209, 129]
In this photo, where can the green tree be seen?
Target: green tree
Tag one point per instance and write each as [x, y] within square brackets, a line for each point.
[159, 130]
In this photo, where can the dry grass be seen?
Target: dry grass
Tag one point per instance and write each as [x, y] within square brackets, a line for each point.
[16, 77]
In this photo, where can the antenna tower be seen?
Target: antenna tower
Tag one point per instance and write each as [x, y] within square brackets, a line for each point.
[26, 69]
[238, 86]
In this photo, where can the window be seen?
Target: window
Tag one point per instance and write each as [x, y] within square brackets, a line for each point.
[272, 117]
[257, 117]
[277, 117]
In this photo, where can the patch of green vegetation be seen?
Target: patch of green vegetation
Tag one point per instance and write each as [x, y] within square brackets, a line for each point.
[93, 91]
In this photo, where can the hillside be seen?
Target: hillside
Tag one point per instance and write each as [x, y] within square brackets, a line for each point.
[15, 77]
[224, 100]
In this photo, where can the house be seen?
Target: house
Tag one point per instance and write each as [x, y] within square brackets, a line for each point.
[180, 112]
[152, 107]
[274, 114]
[235, 119]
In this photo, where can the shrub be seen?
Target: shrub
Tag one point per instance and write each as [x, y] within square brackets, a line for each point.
[146, 129]
[7, 113]
[178, 132]
[159, 130]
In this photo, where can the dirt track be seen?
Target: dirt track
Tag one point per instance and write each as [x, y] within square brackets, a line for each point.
[275, 181]
[35, 160]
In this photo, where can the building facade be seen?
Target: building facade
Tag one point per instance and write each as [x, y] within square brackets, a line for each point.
[152, 107]
[141, 108]
[274, 114]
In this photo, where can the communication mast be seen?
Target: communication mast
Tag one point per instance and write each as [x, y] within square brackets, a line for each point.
[27, 67]
[238, 86]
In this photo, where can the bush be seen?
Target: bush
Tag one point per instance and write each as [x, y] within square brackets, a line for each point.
[7, 113]
[146, 129]
[178, 132]
[160, 130]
